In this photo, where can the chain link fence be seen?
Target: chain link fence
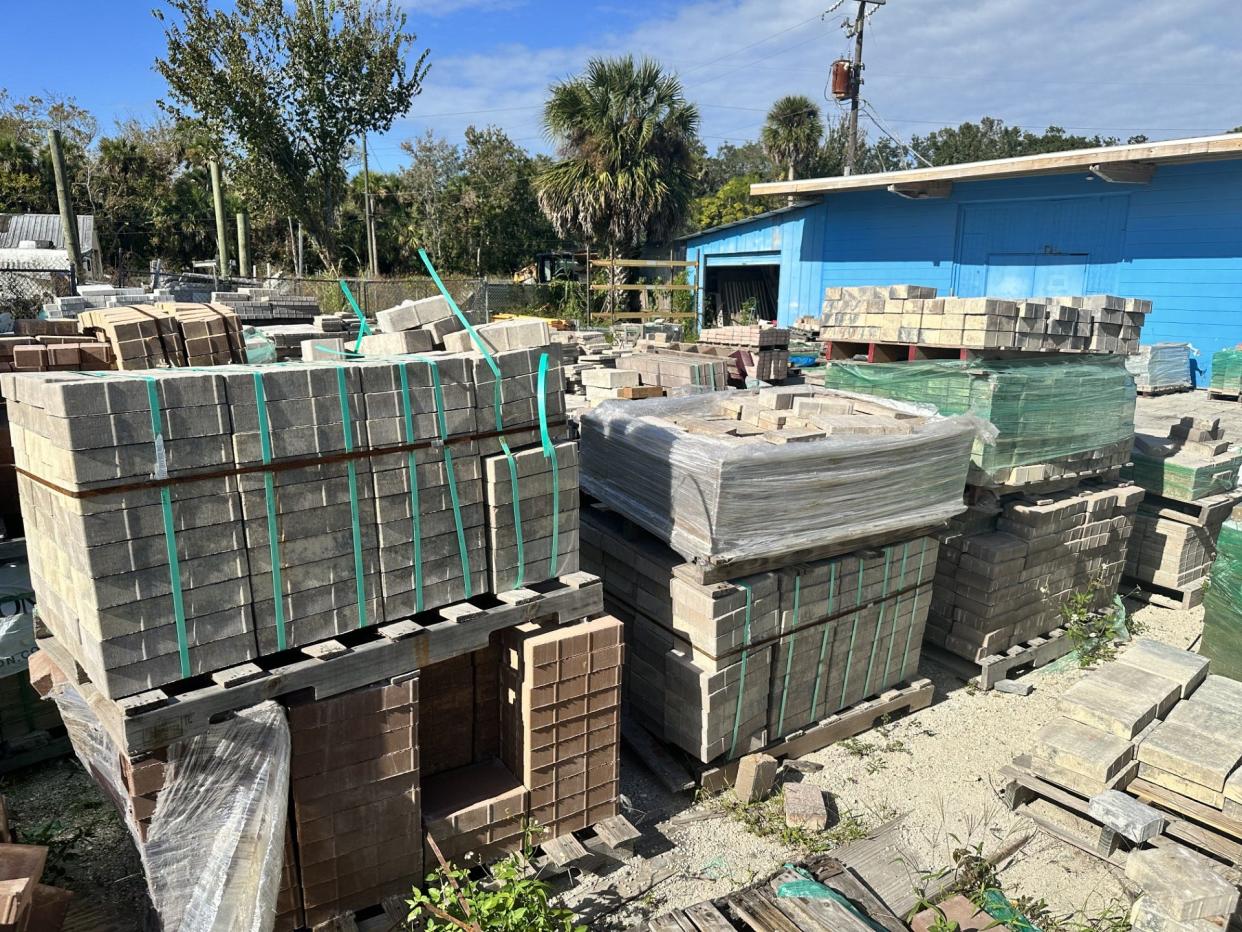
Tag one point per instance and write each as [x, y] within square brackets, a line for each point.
[23, 291]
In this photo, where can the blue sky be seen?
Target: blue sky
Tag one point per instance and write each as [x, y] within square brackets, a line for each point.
[1164, 67]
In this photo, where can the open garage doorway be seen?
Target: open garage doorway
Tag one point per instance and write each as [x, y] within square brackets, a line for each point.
[733, 293]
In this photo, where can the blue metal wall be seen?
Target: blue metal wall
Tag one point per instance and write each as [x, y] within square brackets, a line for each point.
[1177, 241]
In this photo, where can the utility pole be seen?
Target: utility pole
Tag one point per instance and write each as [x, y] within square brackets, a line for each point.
[68, 221]
[243, 244]
[222, 230]
[366, 198]
[855, 30]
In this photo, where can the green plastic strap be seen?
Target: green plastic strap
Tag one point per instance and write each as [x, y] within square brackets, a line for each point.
[901, 577]
[793, 638]
[504, 444]
[269, 491]
[449, 470]
[363, 330]
[879, 625]
[1006, 914]
[416, 520]
[347, 431]
[170, 535]
[549, 453]
[823, 640]
[849, 656]
[914, 609]
[808, 888]
[741, 686]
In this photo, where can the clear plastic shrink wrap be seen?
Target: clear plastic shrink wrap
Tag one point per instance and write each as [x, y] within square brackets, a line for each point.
[720, 498]
[215, 845]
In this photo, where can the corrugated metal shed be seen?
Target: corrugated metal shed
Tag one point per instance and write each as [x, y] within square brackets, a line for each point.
[1174, 238]
[17, 227]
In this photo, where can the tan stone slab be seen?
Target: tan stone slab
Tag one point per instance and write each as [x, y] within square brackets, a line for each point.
[1123, 713]
[1233, 790]
[1220, 691]
[1082, 749]
[1182, 786]
[1214, 722]
[1185, 884]
[1162, 690]
[1189, 755]
[1185, 667]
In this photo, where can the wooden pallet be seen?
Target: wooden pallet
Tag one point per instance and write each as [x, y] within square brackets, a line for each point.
[759, 908]
[991, 669]
[1181, 597]
[881, 351]
[1220, 394]
[1191, 809]
[1203, 512]
[1166, 390]
[611, 840]
[1065, 814]
[861, 717]
[157, 718]
[36, 748]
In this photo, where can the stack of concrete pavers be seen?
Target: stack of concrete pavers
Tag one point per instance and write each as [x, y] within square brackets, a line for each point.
[532, 514]
[1183, 891]
[914, 314]
[432, 316]
[723, 668]
[355, 789]
[561, 720]
[1006, 568]
[1155, 714]
[191, 520]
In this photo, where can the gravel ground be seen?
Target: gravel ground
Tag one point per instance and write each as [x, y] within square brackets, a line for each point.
[938, 768]
[90, 850]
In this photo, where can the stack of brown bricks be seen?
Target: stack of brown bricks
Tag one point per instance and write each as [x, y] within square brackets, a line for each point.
[561, 720]
[354, 781]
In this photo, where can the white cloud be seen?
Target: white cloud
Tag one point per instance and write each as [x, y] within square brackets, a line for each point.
[1110, 66]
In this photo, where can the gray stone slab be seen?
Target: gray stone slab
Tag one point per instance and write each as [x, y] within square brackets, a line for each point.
[1126, 815]
[1185, 667]
[1088, 751]
[1186, 753]
[1184, 883]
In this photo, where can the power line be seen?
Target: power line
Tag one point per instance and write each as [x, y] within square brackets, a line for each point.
[752, 45]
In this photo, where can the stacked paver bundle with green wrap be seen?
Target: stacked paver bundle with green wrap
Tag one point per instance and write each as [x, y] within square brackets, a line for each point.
[1222, 606]
[1053, 418]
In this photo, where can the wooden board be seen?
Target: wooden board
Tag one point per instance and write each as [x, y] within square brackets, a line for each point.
[610, 840]
[855, 720]
[655, 757]
[1023, 786]
[707, 572]
[1192, 809]
[1183, 597]
[155, 719]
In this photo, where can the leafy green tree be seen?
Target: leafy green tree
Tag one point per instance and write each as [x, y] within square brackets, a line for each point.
[990, 138]
[730, 161]
[284, 88]
[792, 134]
[729, 204]
[626, 136]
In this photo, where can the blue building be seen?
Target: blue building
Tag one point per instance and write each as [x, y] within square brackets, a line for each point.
[1158, 220]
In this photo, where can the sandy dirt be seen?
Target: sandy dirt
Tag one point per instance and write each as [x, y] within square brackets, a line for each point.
[938, 768]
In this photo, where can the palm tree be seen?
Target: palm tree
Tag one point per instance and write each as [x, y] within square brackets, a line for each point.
[625, 136]
[792, 133]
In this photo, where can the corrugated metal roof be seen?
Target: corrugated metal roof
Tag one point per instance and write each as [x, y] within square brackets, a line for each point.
[17, 227]
[1198, 149]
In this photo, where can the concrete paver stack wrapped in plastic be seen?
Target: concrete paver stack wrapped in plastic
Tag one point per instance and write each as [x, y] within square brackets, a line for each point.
[213, 848]
[1222, 606]
[1227, 371]
[1161, 367]
[1054, 418]
[720, 490]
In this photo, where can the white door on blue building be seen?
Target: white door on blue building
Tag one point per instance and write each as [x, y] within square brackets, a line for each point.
[1042, 247]
[1023, 275]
